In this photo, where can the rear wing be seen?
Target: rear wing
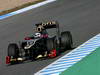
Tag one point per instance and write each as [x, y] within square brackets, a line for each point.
[53, 24]
[48, 25]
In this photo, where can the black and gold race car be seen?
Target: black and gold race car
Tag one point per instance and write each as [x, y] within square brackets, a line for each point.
[40, 44]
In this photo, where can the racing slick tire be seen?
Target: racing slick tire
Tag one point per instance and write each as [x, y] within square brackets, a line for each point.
[13, 50]
[50, 44]
[51, 48]
[66, 40]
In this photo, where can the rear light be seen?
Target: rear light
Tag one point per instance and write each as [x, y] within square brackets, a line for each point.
[7, 59]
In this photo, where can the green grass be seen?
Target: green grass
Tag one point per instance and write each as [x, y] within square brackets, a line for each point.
[90, 65]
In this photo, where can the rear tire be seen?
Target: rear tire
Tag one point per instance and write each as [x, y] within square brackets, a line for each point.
[66, 40]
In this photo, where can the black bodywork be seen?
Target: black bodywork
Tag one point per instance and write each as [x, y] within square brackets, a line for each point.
[39, 45]
[31, 47]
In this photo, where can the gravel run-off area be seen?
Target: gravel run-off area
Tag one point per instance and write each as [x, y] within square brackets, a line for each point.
[6, 5]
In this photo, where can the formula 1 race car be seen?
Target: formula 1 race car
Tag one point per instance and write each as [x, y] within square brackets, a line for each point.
[40, 44]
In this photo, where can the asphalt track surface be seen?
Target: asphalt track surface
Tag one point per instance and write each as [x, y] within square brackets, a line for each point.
[81, 17]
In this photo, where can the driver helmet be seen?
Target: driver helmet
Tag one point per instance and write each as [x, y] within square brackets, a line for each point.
[37, 35]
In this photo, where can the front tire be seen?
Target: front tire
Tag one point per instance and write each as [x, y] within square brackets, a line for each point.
[13, 50]
[51, 47]
[50, 44]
